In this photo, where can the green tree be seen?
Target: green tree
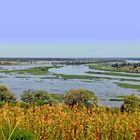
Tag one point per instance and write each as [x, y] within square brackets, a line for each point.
[131, 104]
[6, 95]
[80, 97]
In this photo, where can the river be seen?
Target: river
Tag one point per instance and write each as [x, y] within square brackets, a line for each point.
[104, 89]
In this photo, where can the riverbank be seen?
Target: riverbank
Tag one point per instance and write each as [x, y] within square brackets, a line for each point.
[108, 67]
[32, 71]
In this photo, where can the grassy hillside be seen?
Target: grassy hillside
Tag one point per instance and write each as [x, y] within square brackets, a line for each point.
[60, 122]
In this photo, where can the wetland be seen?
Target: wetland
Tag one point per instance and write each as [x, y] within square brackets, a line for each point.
[107, 82]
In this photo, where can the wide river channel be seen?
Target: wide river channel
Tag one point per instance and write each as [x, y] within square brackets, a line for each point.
[105, 89]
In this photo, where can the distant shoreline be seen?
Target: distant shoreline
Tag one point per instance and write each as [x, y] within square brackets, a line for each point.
[68, 59]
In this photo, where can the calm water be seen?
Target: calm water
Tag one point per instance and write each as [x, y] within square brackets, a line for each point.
[104, 89]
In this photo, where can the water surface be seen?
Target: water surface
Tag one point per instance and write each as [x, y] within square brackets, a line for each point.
[103, 88]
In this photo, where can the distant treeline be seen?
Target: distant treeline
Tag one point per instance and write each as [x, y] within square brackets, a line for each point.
[27, 59]
[117, 65]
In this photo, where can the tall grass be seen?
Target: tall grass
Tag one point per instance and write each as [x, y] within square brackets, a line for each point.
[60, 122]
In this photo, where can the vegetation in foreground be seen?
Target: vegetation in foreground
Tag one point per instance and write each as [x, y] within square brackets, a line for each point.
[77, 117]
[61, 122]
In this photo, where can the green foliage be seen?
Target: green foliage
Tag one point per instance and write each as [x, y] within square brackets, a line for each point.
[33, 71]
[113, 73]
[40, 102]
[88, 77]
[6, 95]
[131, 104]
[80, 97]
[109, 67]
[2, 104]
[65, 77]
[39, 97]
[57, 97]
[8, 133]
[130, 86]
[24, 105]
[28, 96]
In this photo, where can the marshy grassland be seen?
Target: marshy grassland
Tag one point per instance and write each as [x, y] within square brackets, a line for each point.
[130, 86]
[114, 74]
[88, 77]
[32, 71]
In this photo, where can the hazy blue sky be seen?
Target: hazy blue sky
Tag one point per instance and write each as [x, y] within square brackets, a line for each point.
[66, 28]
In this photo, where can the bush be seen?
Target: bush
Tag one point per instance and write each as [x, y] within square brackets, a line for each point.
[42, 95]
[6, 95]
[28, 96]
[131, 104]
[39, 97]
[80, 97]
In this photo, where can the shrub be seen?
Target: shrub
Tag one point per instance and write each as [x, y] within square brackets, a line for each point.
[6, 95]
[131, 104]
[39, 97]
[28, 96]
[80, 97]
[42, 95]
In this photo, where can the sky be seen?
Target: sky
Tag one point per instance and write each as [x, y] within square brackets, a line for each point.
[72, 28]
